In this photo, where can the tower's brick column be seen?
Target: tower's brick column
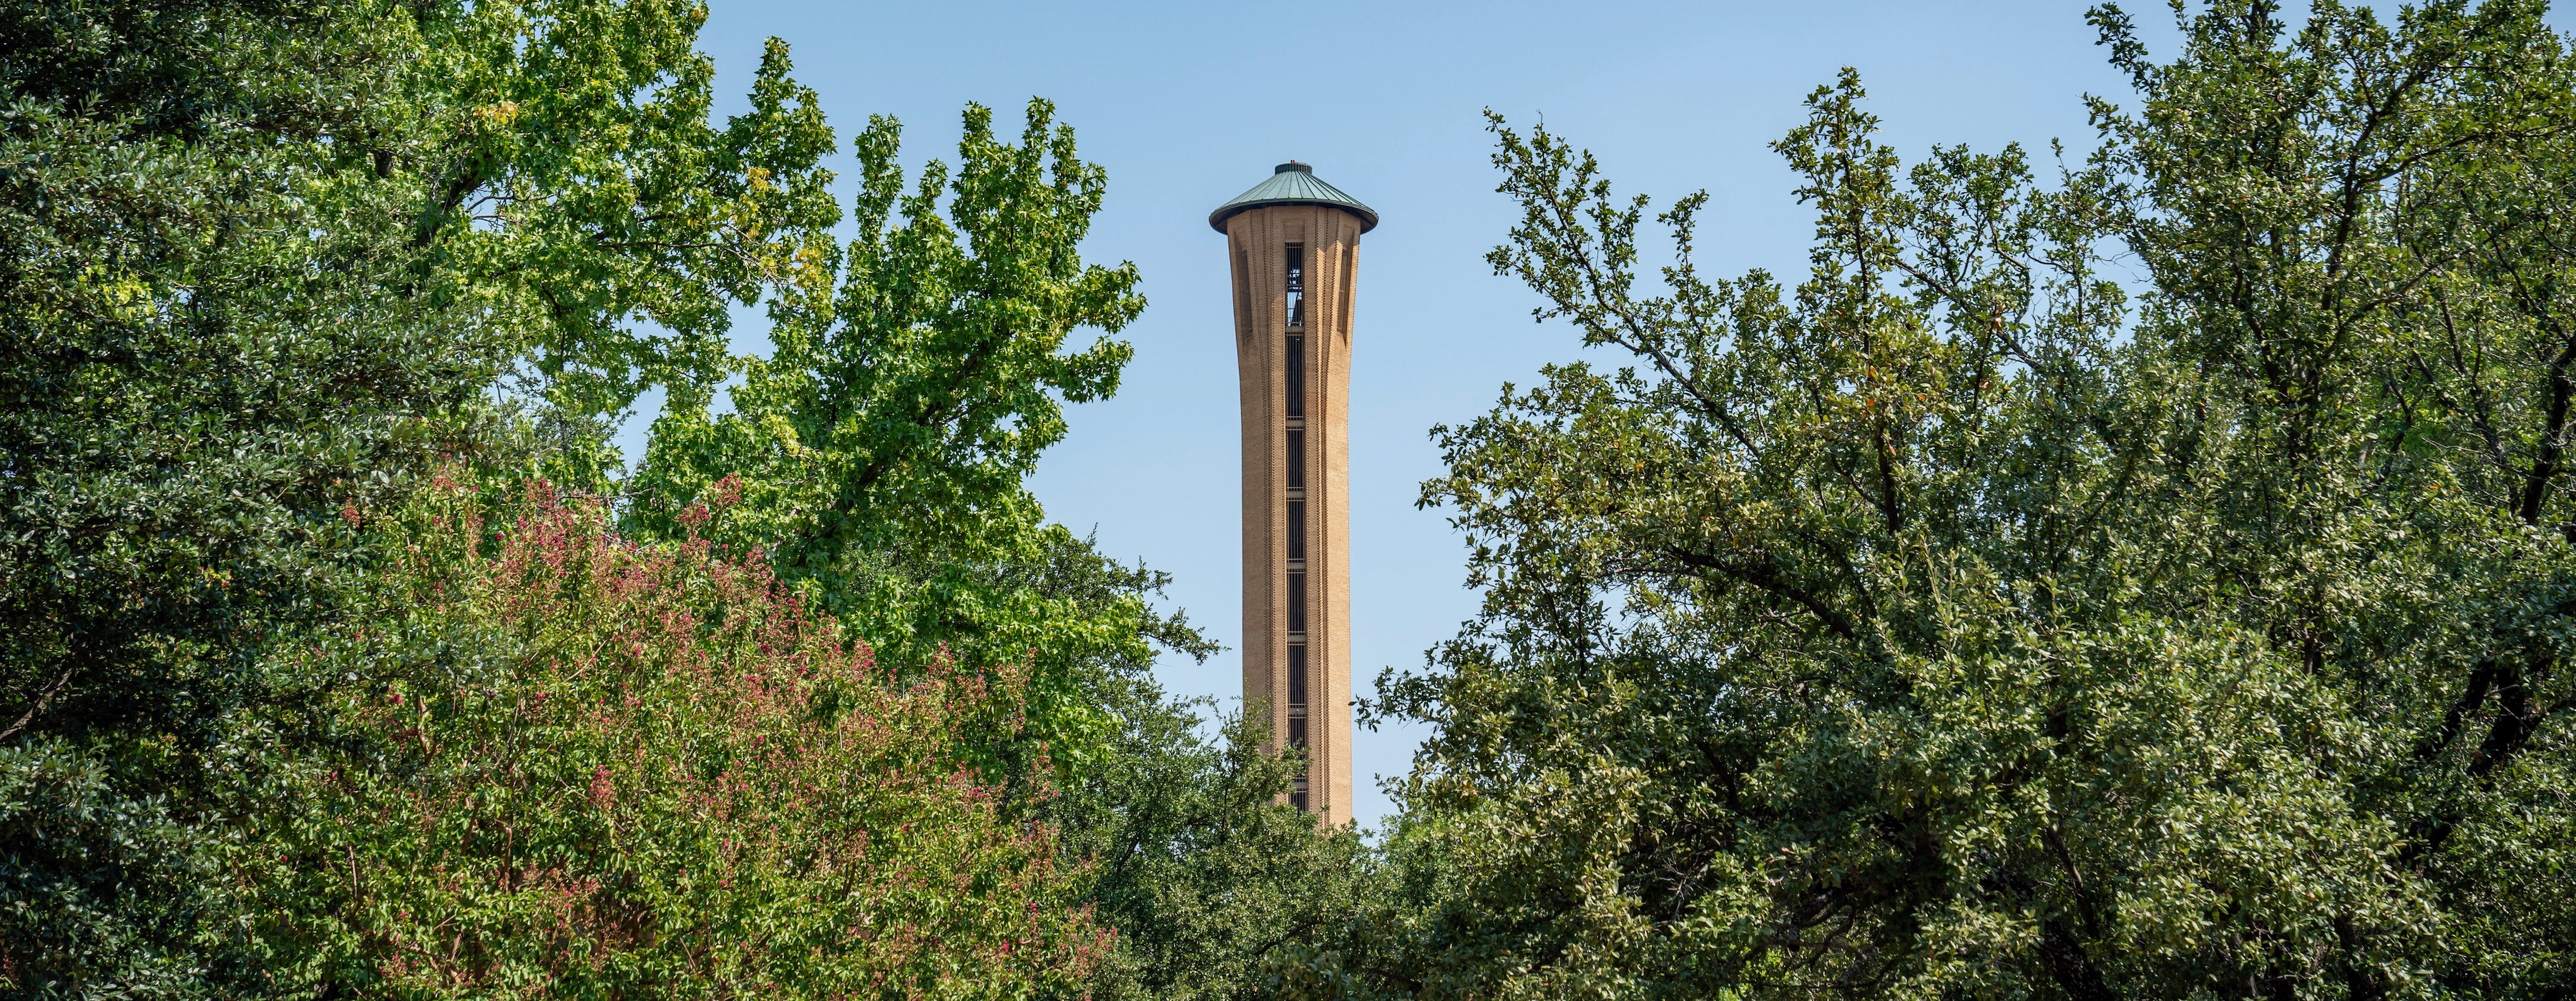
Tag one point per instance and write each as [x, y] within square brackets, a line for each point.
[1258, 243]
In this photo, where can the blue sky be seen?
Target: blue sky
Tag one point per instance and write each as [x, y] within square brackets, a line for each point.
[1187, 104]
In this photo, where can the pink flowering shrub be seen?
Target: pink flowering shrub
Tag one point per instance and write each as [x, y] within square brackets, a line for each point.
[577, 766]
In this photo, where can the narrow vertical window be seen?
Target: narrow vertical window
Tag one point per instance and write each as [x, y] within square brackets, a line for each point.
[1296, 679]
[1296, 376]
[1297, 739]
[1293, 367]
[1296, 286]
[1297, 717]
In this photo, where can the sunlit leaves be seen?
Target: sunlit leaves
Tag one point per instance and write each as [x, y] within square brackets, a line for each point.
[1951, 624]
[571, 764]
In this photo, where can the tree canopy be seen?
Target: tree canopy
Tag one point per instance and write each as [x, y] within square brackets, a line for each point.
[280, 283]
[1963, 619]
[2143, 569]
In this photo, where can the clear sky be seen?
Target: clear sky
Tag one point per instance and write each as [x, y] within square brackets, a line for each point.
[1188, 104]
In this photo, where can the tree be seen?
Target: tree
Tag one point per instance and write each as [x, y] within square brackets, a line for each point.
[574, 764]
[1956, 622]
[882, 448]
[1195, 856]
[881, 454]
[257, 261]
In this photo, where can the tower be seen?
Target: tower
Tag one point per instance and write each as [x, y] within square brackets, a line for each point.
[1293, 243]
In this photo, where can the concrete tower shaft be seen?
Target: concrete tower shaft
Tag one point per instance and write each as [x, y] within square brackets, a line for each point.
[1295, 267]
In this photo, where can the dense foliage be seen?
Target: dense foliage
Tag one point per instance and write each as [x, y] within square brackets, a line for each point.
[1956, 622]
[2150, 577]
[259, 260]
[264, 267]
[1212, 881]
[881, 449]
[575, 765]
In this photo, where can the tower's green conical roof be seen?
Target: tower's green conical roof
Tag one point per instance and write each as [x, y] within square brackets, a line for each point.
[1293, 184]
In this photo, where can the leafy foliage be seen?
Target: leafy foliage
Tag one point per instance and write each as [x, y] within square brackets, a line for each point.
[880, 455]
[567, 175]
[256, 263]
[105, 891]
[1210, 877]
[200, 372]
[882, 448]
[264, 730]
[1955, 622]
[578, 765]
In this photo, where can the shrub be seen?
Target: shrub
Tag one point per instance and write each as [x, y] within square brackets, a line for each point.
[573, 764]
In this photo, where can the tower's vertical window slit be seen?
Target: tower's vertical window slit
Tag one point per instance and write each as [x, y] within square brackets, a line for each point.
[1297, 717]
[1293, 367]
[1296, 286]
[1296, 602]
[1296, 376]
[1297, 739]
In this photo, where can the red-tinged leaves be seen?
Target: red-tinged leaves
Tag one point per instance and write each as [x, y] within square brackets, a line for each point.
[607, 768]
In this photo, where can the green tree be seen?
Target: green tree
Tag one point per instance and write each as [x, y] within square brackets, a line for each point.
[197, 384]
[883, 447]
[257, 261]
[1195, 857]
[881, 453]
[571, 764]
[1954, 622]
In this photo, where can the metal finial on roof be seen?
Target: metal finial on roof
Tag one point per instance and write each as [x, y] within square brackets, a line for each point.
[1293, 183]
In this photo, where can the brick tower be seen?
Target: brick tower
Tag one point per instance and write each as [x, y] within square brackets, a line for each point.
[1293, 243]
